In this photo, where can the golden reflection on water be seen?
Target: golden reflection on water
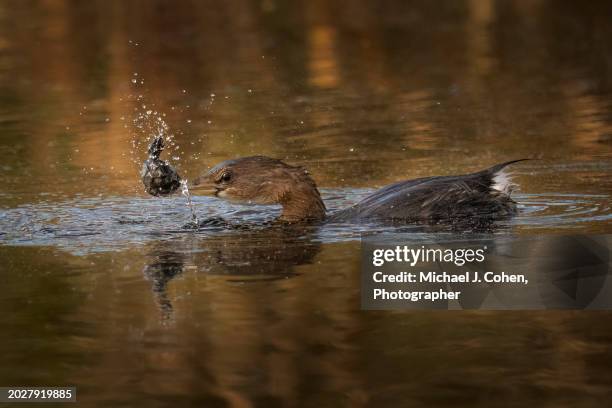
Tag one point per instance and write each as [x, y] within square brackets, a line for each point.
[373, 89]
[323, 66]
[363, 94]
[246, 340]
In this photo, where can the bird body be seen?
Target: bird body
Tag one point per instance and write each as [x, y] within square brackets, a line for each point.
[437, 199]
[484, 195]
[264, 180]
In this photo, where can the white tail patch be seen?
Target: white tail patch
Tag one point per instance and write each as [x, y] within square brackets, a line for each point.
[502, 182]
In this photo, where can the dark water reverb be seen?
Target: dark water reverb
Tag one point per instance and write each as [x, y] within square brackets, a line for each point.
[102, 288]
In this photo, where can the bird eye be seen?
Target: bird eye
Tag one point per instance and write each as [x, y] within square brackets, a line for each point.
[225, 177]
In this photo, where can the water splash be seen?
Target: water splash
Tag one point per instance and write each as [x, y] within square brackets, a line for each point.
[148, 121]
[187, 195]
[95, 224]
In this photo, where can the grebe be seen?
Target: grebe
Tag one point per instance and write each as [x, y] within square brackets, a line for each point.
[264, 180]
[484, 195]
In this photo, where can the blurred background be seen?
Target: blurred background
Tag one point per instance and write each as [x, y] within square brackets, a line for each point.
[103, 291]
[362, 93]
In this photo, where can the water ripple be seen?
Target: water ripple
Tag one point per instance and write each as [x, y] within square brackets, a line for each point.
[103, 224]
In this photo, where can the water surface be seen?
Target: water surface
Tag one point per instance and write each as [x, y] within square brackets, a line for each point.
[103, 289]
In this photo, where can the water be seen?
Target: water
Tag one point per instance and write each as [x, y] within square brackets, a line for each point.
[89, 225]
[105, 290]
[187, 195]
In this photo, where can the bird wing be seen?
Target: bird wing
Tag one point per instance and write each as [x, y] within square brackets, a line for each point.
[436, 198]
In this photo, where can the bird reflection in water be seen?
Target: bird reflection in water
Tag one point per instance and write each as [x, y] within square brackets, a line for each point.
[260, 254]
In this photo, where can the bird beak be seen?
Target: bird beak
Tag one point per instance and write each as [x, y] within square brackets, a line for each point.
[202, 186]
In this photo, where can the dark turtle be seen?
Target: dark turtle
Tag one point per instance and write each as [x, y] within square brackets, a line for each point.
[158, 176]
